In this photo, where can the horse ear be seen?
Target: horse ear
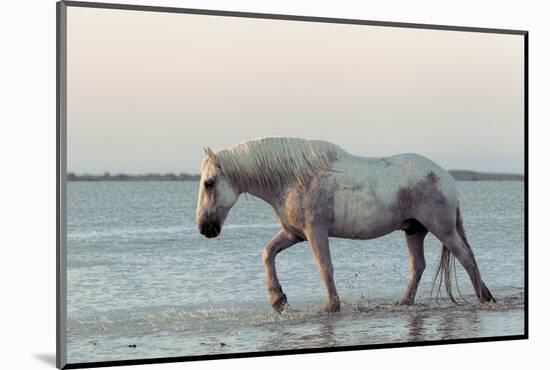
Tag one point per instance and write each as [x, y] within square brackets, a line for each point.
[212, 157]
[209, 153]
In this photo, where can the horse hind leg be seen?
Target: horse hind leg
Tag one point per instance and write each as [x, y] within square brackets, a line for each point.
[415, 234]
[454, 241]
[466, 258]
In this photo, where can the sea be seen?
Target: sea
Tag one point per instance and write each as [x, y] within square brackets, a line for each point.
[143, 283]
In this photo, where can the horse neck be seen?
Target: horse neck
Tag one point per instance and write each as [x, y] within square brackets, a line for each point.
[271, 196]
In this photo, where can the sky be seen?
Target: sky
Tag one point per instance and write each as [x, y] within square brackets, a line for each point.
[148, 91]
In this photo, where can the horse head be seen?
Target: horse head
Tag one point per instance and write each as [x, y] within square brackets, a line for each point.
[216, 196]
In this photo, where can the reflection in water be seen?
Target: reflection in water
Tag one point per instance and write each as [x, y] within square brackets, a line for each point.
[458, 323]
[315, 334]
[327, 332]
[272, 341]
[415, 325]
[382, 323]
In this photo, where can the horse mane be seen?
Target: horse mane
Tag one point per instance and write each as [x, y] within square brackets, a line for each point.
[273, 162]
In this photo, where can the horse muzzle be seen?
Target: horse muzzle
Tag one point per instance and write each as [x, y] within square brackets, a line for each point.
[210, 229]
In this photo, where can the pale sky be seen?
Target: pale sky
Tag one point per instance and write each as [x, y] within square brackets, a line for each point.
[147, 91]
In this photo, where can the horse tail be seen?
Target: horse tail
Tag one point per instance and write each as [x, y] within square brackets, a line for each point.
[460, 228]
[443, 273]
[447, 265]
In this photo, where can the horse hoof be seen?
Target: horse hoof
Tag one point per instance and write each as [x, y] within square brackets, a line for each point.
[332, 307]
[279, 304]
[487, 300]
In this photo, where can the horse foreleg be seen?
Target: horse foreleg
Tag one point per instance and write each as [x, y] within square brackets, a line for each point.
[280, 242]
[417, 264]
[318, 239]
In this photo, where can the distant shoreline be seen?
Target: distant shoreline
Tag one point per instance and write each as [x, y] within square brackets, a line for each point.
[459, 175]
[465, 175]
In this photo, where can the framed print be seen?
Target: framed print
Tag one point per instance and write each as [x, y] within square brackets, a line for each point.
[240, 184]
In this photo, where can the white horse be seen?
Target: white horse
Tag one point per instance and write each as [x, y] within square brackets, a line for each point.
[318, 190]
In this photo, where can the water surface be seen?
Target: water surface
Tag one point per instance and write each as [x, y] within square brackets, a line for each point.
[140, 274]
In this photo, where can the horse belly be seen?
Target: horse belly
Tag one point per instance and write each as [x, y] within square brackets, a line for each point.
[359, 215]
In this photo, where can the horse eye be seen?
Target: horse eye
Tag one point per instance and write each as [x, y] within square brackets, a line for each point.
[209, 183]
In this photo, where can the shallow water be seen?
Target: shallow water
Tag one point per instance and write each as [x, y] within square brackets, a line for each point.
[140, 274]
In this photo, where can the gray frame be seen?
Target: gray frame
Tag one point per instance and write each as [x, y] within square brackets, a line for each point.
[61, 176]
[61, 188]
